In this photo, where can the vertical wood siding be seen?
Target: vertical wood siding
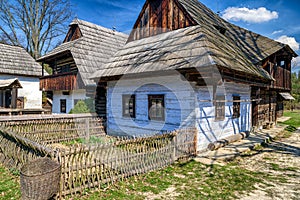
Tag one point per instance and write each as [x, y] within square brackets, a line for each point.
[160, 16]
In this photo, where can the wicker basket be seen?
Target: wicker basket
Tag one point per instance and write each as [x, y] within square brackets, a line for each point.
[40, 179]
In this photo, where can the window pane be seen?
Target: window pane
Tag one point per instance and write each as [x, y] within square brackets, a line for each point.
[128, 102]
[156, 107]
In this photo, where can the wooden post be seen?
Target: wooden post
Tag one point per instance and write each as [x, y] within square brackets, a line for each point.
[87, 129]
[174, 141]
[14, 96]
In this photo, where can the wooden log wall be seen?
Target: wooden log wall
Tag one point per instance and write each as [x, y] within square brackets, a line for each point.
[100, 100]
[63, 65]
[160, 16]
[278, 66]
[264, 111]
[282, 79]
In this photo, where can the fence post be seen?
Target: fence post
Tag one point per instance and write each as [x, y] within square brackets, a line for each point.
[195, 141]
[174, 141]
[87, 129]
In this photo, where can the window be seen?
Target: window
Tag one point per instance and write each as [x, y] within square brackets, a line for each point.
[66, 92]
[220, 107]
[156, 110]
[63, 105]
[236, 107]
[128, 106]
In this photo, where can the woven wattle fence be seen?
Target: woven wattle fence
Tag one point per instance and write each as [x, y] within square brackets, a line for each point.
[96, 160]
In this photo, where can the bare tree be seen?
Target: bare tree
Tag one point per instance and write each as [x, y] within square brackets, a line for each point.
[33, 24]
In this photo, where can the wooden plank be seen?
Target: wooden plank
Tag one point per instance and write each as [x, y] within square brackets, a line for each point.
[164, 8]
[170, 14]
[181, 19]
[175, 17]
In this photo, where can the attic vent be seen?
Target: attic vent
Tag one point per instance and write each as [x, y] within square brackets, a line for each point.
[221, 29]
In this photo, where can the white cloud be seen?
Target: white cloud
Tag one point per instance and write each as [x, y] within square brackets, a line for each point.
[296, 62]
[291, 41]
[249, 15]
[277, 32]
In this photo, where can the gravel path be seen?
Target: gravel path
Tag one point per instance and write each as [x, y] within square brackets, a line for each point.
[282, 159]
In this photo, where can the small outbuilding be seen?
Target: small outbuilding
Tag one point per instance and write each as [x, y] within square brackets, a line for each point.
[19, 81]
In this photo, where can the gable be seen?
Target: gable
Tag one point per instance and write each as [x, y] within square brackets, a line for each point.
[73, 33]
[160, 16]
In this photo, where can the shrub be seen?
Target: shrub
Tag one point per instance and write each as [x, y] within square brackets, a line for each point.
[80, 107]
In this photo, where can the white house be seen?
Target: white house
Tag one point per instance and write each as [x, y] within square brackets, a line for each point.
[19, 80]
[184, 66]
[85, 49]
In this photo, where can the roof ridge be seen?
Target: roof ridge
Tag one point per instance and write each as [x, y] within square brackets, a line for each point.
[92, 25]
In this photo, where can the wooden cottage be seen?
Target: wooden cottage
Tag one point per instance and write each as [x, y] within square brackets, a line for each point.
[184, 66]
[19, 81]
[85, 49]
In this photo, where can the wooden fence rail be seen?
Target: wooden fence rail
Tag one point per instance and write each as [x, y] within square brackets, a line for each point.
[91, 164]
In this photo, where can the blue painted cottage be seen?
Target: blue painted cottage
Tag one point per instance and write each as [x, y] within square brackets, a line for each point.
[184, 66]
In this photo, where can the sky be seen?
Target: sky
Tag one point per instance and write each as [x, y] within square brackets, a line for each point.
[276, 19]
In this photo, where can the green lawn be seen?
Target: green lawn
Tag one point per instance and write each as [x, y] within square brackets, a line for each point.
[295, 118]
[190, 180]
[9, 185]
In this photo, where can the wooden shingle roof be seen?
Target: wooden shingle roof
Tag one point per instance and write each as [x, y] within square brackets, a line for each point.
[92, 50]
[15, 60]
[213, 41]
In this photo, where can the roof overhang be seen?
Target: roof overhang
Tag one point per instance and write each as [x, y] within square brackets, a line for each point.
[53, 56]
[286, 96]
[10, 83]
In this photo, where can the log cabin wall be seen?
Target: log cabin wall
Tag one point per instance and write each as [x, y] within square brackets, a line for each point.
[160, 16]
[264, 109]
[278, 66]
[64, 64]
[100, 100]
[64, 76]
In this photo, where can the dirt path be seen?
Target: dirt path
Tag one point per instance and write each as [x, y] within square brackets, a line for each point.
[280, 158]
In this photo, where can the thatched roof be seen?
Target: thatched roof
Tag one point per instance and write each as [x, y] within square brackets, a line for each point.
[196, 46]
[92, 50]
[15, 60]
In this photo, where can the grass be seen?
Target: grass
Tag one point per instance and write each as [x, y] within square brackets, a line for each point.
[295, 119]
[190, 180]
[91, 140]
[9, 184]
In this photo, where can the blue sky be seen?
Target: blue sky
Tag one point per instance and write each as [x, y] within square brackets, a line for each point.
[276, 19]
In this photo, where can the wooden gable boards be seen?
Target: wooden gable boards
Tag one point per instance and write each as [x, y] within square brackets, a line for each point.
[160, 16]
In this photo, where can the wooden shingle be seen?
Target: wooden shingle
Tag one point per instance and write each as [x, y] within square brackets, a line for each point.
[15, 60]
[91, 51]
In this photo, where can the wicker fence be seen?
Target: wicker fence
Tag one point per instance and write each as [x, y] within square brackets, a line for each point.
[91, 163]
[56, 129]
